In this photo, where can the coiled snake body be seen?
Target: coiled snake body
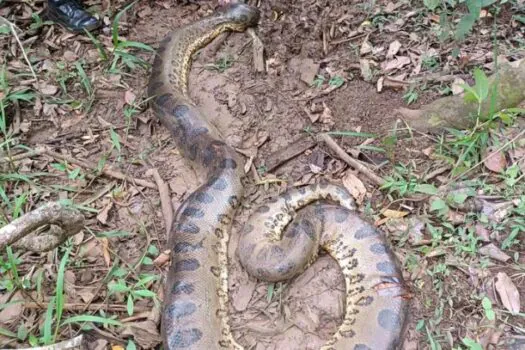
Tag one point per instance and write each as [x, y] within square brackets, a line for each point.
[196, 294]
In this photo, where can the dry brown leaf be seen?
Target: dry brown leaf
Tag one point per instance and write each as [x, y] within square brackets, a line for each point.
[13, 311]
[162, 259]
[494, 252]
[366, 47]
[457, 87]
[393, 49]
[355, 186]
[129, 97]
[105, 251]
[327, 116]
[102, 216]
[495, 160]
[508, 293]
[482, 232]
[396, 63]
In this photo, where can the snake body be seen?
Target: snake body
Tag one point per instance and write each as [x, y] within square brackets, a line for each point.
[280, 239]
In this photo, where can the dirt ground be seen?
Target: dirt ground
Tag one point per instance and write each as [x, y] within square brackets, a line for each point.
[261, 115]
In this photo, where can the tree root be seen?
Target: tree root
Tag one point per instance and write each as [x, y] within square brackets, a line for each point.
[507, 89]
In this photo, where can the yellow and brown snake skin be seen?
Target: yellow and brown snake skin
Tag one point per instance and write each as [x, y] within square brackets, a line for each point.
[279, 240]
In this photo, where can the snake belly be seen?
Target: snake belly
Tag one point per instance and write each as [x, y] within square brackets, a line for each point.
[196, 292]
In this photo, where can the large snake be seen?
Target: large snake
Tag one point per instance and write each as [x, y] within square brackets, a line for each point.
[278, 241]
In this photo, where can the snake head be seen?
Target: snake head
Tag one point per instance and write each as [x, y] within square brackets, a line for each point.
[241, 15]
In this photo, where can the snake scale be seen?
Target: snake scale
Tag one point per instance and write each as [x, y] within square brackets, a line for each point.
[280, 239]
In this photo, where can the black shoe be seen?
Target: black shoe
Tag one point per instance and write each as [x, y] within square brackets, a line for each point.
[71, 15]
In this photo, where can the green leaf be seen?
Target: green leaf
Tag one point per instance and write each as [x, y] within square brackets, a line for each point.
[471, 95]
[351, 133]
[60, 289]
[136, 45]
[438, 204]
[472, 344]
[144, 293]
[147, 261]
[459, 198]
[115, 139]
[465, 25]
[4, 29]
[129, 305]
[482, 84]
[91, 318]
[431, 4]
[152, 250]
[426, 188]
[114, 29]
[131, 345]
[118, 287]
[48, 322]
[5, 332]
[487, 306]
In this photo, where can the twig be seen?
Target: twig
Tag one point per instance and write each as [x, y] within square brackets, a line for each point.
[92, 307]
[357, 165]
[258, 51]
[66, 221]
[165, 200]
[74, 343]
[9, 159]
[108, 172]
[13, 31]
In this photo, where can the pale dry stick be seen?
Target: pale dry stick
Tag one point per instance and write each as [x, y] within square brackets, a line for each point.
[165, 199]
[74, 343]
[36, 152]
[258, 51]
[13, 31]
[357, 165]
[92, 307]
[65, 221]
[108, 172]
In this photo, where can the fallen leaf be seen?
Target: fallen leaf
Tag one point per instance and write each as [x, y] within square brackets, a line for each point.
[457, 86]
[102, 216]
[482, 232]
[396, 63]
[129, 97]
[366, 47]
[495, 160]
[327, 116]
[393, 49]
[494, 252]
[508, 293]
[162, 259]
[394, 214]
[12, 312]
[355, 186]
[47, 89]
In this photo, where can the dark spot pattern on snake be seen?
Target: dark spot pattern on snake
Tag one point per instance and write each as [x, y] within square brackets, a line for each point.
[181, 287]
[341, 214]
[389, 320]
[218, 183]
[203, 197]
[378, 248]
[187, 227]
[192, 212]
[365, 231]
[187, 265]
[180, 111]
[361, 347]
[184, 338]
[180, 309]
[263, 209]
[364, 301]
[386, 267]
[185, 247]
[228, 163]
[247, 229]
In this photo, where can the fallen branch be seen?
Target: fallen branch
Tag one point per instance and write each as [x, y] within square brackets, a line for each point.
[281, 156]
[81, 307]
[453, 111]
[65, 222]
[357, 165]
[165, 199]
[108, 172]
[9, 159]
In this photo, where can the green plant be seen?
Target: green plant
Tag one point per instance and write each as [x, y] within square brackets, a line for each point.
[133, 291]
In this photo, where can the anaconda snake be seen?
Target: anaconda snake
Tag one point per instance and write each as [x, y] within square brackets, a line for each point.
[196, 295]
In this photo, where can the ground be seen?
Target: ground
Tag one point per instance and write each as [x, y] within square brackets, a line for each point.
[337, 66]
